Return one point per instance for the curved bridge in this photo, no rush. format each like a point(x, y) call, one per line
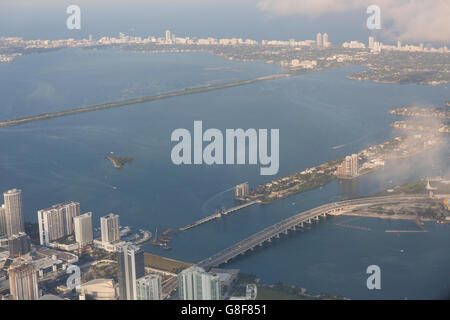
point(298, 221)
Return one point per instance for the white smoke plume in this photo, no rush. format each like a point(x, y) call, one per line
point(409, 20)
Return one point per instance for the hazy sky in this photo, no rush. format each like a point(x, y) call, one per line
point(421, 20)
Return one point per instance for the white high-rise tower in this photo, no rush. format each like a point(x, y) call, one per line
point(319, 42)
point(110, 228)
point(13, 212)
point(83, 229)
point(168, 36)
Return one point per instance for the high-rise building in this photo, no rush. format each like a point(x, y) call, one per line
point(13, 212)
point(319, 42)
point(399, 44)
point(130, 267)
point(196, 284)
point(110, 228)
point(354, 165)
point(371, 42)
point(349, 167)
point(149, 287)
point(57, 221)
point(2, 220)
point(168, 37)
point(83, 229)
point(19, 244)
point(241, 190)
point(23, 282)
point(326, 44)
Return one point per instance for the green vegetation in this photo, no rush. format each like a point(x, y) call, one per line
point(166, 264)
point(281, 291)
point(415, 187)
point(277, 291)
point(101, 271)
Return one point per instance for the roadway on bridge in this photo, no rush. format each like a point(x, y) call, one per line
point(291, 223)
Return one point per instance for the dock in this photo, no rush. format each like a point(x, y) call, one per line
point(218, 214)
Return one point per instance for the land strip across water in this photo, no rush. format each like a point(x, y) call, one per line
point(44, 116)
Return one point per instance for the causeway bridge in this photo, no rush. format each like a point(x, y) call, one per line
point(115, 104)
point(297, 222)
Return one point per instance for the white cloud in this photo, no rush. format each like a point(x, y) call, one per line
point(414, 20)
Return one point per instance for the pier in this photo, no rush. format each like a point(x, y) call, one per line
point(218, 214)
point(345, 224)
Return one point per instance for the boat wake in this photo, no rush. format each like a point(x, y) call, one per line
point(207, 202)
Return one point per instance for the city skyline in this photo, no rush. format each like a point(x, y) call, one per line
point(224, 150)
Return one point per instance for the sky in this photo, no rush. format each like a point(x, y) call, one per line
point(409, 20)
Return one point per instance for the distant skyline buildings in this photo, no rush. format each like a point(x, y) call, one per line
point(321, 41)
point(254, 19)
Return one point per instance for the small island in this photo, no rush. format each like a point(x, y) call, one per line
point(118, 162)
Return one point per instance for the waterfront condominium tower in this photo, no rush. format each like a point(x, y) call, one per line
point(196, 284)
point(241, 190)
point(349, 167)
point(83, 229)
point(23, 283)
point(110, 228)
point(149, 287)
point(130, 267)
point(57, 221)
point(13, 212)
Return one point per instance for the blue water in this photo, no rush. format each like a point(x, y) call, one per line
point(63, 159)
